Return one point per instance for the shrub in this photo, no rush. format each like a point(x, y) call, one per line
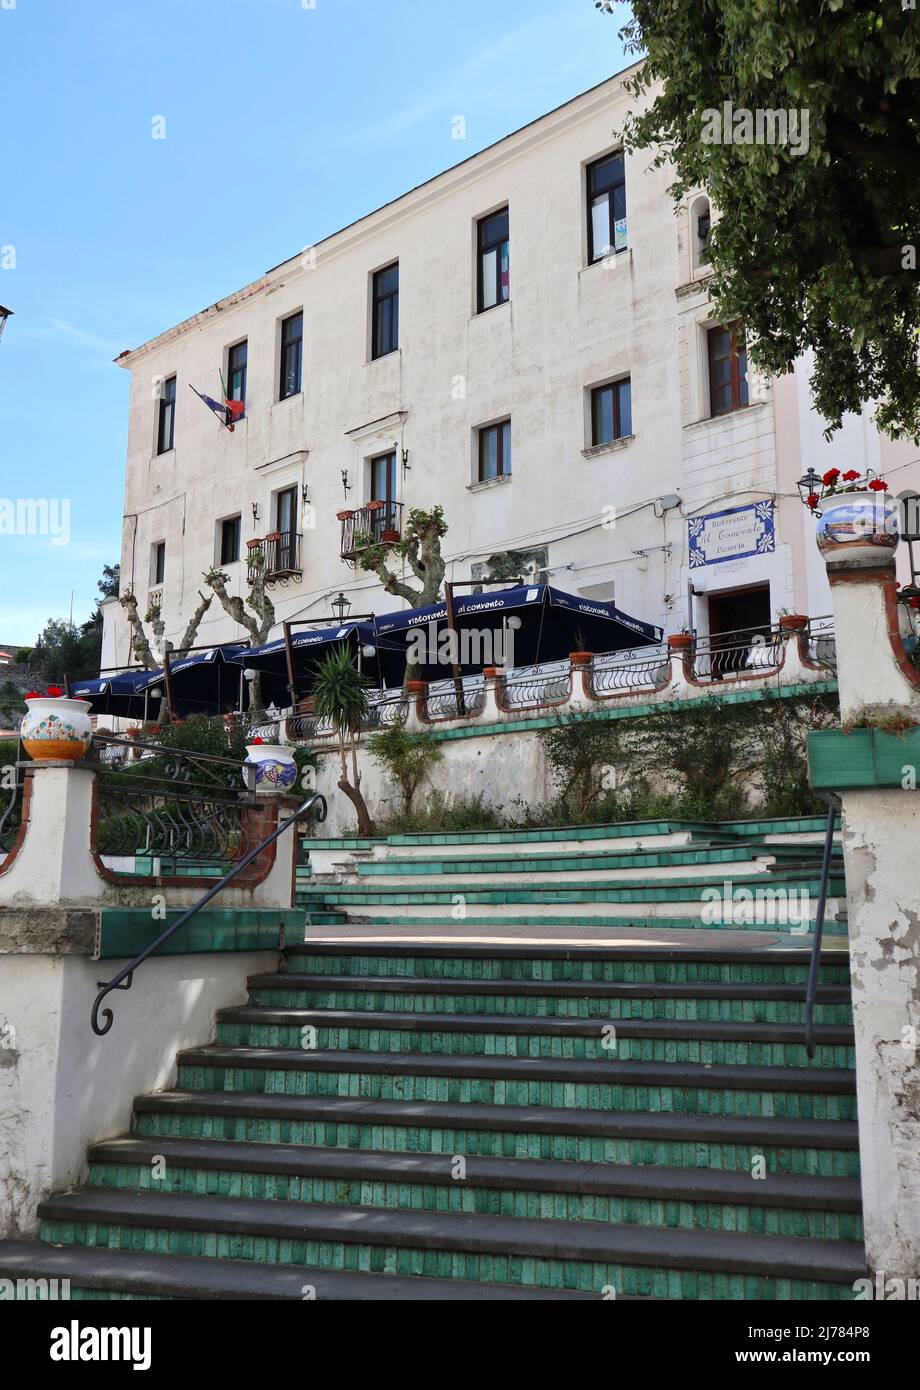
point(407, 757)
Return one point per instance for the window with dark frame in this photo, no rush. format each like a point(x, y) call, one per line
point(611, 412)
point(230, 529)
point(703, 228)
point(385, 326)
point(728, 388)
point(606, 190)
point(166, 417)
point(159, 563)
point(495, 451)
point(494, 277)
point(286, 524)
point(291, 356)
point(237, 359)
point(383, 489)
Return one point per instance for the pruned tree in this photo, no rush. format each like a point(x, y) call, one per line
point(420, 547)
point(816, 245)
point(255, 613)
point(150, 651)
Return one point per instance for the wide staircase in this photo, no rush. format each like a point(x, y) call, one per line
point(418, 1105)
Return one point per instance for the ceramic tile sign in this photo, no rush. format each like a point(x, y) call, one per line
point(734, 534)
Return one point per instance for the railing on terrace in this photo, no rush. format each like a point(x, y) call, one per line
point(379, 523)
point(529, 686)
point(170, 812)
point(620, 673)
point(277, 555)
point(745, 652)
point(442, 701)
point(821, 642)
point(384, 712)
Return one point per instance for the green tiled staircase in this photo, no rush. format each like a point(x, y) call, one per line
point(463, 1123)
point(399, 1120)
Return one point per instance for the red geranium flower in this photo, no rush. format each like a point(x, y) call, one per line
point(831, 476)
point(851, 475)
point(257, 740)
point(55, 692)
point(878, 486)
point(812, 500)
point(32, 695)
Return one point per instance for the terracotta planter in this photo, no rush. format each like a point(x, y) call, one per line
point(276, 770)
point(492, 672)
point(793, 622)
point(273, 536)
point(389, 537)
point(56, 729)
point(416, 687)
point(376, 505)
point(680, 642)
point(344, 516)
point(581, 658)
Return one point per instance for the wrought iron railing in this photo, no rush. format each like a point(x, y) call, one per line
point(277, 555)
point(745, 652)
point(379, 523)
point(821, 642)
point(314, 806)
point(645, 668)
point(444, 702)
point(176, 811)
point(814, 966)
point(525, 686)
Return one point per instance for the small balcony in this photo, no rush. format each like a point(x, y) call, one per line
point(278, 555)
point(379, 523)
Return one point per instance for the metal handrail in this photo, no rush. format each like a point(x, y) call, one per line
point(127, 974)
point(811, 990)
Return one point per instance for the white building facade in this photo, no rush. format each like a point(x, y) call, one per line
point(525, 340)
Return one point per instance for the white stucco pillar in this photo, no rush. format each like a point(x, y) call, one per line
point(54, 862)
point(873, 764)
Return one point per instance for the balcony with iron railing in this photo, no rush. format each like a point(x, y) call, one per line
point(277, 555)
point(377, 523)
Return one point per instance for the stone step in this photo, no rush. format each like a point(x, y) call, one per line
point(664, 1040)
point(699, 1199)
point(765, 1003)
point(95, 1272)
point(819, 1092)
point(589, 1256)
point(508, 961)
point(729, 1143)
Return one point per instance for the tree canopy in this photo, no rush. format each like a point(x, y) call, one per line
point(817, 242)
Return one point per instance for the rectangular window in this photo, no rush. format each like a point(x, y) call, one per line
point(728, 388)
point(494, 277)
point(611, 412)
point(385, 327)
point(383, 489)
point(158, 563)
point(291, 356)
point(236, 377)
point(166, 419)
point(286, 524)
point(606, 188)
point(230, 540)
point(495, 451)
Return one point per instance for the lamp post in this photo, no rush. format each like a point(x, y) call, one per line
point(810, 485)
point(4, 315)
point(341, 606)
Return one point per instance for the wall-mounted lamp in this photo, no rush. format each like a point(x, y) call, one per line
point(255, 511)
point(305, 493)
point(340, 606)
point(404, 458)
point(345, 483)
point(4, 315)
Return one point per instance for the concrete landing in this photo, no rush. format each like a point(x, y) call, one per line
point(617, 938)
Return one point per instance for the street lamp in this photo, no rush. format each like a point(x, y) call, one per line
point(4, 315)
point(340, 606)
point(811, 485)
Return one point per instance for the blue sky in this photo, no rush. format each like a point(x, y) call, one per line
point(285, 120)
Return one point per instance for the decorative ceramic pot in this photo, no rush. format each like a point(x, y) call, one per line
point(680, 641)
point(581, 658)
point(855, 522)
point(793, 622)
point(56, 729)
point(276, 770)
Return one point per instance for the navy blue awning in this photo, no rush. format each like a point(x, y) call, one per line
point(307, 649)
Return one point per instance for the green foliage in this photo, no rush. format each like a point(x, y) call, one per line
point(461, 813)
point(216, 738)
point(407, 757)
point(340, 691)
point(64, 649)
point(810, 250)
point(9, 751)
point(23, 655)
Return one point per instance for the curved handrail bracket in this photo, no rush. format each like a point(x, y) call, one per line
point(315, 805)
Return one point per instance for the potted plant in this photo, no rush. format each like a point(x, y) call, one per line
point(580, 656)
point(792, 622)
point(346, 515)
point(56, 728)
point(854, 512)
point(275, 768)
